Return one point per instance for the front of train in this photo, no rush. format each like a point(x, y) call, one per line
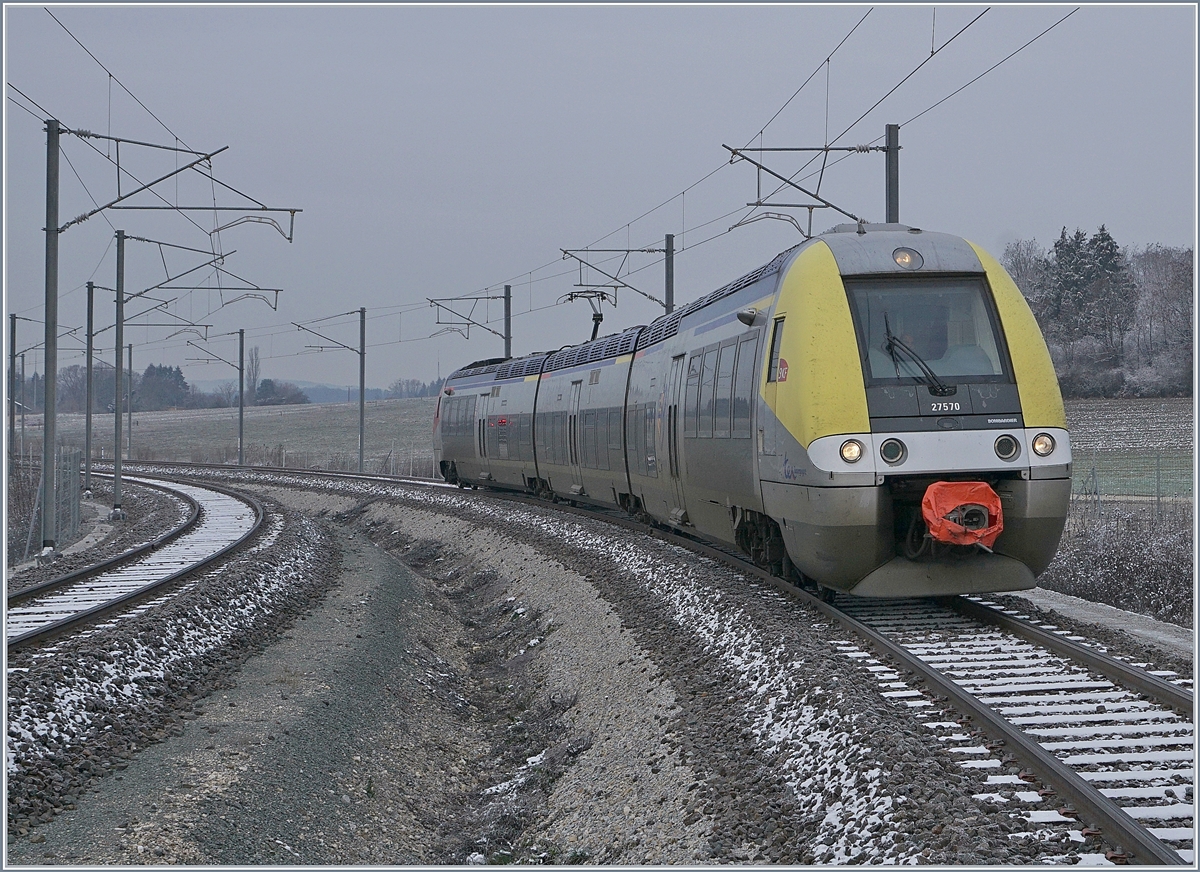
point(931, 449)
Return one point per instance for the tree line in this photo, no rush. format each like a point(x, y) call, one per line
point(154, 389)
point(1118, 321)
point(411, 387)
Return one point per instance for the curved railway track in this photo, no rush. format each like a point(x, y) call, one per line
point(1112, 743)
point(219, 522)
point(187, 520)
point(1113, 756)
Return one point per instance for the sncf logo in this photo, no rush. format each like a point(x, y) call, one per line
point(783, 369)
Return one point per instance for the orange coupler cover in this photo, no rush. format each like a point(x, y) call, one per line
point(946, 503)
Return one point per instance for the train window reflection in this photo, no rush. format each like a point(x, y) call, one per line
point(743, 386)
point(724, 389)
point(691, 409)
point(707, 383)
point(949, 325)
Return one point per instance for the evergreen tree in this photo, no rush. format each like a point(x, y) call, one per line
point(1111, 295)
point(162, 387)
point(1071, 274)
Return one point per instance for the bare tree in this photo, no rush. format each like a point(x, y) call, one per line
point(227, 391)
point(1029, 266)
point(252, 373)
point(72, 389)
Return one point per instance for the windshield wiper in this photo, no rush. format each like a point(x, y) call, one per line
point(894, 344)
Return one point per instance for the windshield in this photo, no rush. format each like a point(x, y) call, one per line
point(947, 325)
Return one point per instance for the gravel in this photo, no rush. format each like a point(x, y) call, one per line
point(465, 681)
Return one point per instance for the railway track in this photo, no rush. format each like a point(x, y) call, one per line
point(1111, 755)
point(219, 522)
point(1112, 743)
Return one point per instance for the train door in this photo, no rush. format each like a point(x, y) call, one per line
point(776, 372)
point(483, 436)
point(573, 439)
point(678, 507)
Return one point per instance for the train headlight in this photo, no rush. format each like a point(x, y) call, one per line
point(893, 451)
point(906, 258)
point(1043, 445)
point(852, 451)
point(1007, 447)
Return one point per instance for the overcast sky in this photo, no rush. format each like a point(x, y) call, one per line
point(445, 151)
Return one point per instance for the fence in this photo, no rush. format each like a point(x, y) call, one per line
point(407, 460)
point(1162, 474)
point(24, 531)
point(1153, 487)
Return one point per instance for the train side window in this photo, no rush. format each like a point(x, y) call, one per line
point(632, 429)
point(560, 431)
point(601, 416)
point(743, 386)
point(464, 416)
point(724, 393)
point(588, 440)
point(776, 344)
point(691, 407)
point(523, 446)
point(614, 428)
point(707, 383)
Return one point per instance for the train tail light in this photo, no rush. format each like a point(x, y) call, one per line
point(963, 513)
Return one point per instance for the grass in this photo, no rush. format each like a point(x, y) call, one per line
point(398, 433)
point(1135, 556)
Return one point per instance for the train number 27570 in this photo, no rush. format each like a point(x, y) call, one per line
point(946, 407)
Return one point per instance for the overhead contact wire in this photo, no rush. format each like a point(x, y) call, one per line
point(115, 79)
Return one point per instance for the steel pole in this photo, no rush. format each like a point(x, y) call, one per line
point(507, 321)
point(129, 400)
point(22, 403)
point(49, 468)
point(362, 383)
point(670, 270)
point(893, 173)
point(87, 412)
point(12, 386)
point(241, 392)
point(118, 377)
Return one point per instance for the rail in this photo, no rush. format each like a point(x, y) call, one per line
point(124, 557)
point(53, 627)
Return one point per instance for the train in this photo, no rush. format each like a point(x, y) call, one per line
point(874, 412)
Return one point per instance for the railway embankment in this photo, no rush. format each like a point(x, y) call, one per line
point(473, 682)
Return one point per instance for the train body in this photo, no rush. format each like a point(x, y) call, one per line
point(810, 413)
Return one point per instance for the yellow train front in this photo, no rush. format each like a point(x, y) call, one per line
point(873, 411)
point(912, 437)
